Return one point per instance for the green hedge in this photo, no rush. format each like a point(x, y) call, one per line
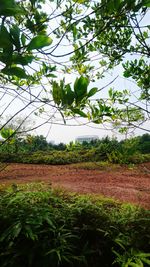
point(54, 157)
point(68, 157)
point(45, 228)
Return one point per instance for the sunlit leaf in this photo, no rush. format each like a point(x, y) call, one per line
point(39, 41)
point(56, 92)
point(92, 92)
point(6, 132)
point(146, 3)
point(80, 87)
point(80, 1)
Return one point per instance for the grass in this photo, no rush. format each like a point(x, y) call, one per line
point(99, 165)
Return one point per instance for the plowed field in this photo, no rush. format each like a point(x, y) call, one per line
point(122, 183)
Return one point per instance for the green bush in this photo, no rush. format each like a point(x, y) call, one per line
point(45, 228)
point(139, 158)
point(102, 153)
point(133, 150)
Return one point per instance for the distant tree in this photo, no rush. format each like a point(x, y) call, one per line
point(60, 146)
point(144, 143)
point(36, 143)
point(13, 131)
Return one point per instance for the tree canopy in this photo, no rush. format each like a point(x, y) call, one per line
point(45, 43)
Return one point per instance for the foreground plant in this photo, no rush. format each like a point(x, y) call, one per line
point(41, 227)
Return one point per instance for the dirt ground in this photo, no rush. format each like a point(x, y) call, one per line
point(122, 183)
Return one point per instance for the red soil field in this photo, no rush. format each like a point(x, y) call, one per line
point(119, 182)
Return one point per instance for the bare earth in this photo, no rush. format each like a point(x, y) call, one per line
point(122, 183)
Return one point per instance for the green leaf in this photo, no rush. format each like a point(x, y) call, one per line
point(51, 75)
point(23, 39)
point(10, 8)
point(15, 34)
point(143, 255)
point(6, 44)
point(15, 71)
point(110, 92)
point(127, 73)
point(70, 95)
point(29, 233)
point(93, 91)
point(56, 92)
point(80, 88)
point(6, 132)
point(80, 1)
point(80, 112)
point(145, 34)
point(5, 41)
point(39, 41)
point(74, 31)
point(146, 3)
point(33, 2)
point(147, 261)
point(22, 60)
point(16, 229)
point(117, 4)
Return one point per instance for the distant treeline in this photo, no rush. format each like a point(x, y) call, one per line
point(36, 149)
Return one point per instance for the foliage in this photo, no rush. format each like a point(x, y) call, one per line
point(144, 143)
point(109, 31)
point(35, 149)
point(67, 230)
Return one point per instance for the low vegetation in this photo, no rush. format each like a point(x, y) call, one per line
point(44, 227)
point(35, 149)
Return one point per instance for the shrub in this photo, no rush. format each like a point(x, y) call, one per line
point(139, 158)
point(45, 228)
